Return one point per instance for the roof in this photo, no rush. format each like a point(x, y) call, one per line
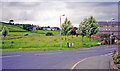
point(109, 23)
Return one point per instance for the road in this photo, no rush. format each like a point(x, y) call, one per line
point(59, 59)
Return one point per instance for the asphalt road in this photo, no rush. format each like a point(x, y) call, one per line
point(59, 59)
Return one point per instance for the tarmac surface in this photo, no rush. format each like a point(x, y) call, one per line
point(82, 58)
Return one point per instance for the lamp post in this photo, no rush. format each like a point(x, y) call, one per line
point(61, 31)
point(111, 32)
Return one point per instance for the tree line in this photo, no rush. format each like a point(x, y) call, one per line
point(87, 27)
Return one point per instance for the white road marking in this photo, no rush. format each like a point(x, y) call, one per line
point(9, 56)
point(107, 49)
point(108, 54)
point(110, 48)
point(78, 63)
point(87, 58)
point(47, 53)
point(81, 51)
point(113, 48)
point(85, 51)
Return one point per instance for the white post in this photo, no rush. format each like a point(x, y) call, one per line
point(61, 32)
point(111, 32)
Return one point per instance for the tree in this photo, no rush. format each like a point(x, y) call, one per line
point(68, 33)
point(11, 22)
point(48, 26)
point(28, 27)
point(93, 26)
point(73, 32)
point(5, 31)
point(66, 26)
point(83, 28)
point(75, 28)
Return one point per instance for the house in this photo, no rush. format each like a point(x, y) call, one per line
point(108, 27)
point(46, 28)
point(36, 27)
point(50, 28)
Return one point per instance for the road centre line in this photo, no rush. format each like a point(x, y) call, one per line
point(47, 53)
point(110, 48)
point(113, 48)
point(107, 49)
point(85, 51)
point(9, 56)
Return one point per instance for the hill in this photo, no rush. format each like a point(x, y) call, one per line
point(12, 28)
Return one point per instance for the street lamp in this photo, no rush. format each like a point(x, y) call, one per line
point(61, 31)
point(111, 31)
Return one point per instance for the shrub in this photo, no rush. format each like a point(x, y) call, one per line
point(5, 31)
point(49, 34)
point(102, 36)
point(55, 39)
point(26, 35)
point(116, 57)
point(96, 36)
point(28, 27)
point(12, 42)
point(3, 42)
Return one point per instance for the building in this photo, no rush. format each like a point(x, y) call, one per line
point(50, 28)
point(107, 27)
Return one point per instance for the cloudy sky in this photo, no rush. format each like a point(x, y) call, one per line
point(48, 13)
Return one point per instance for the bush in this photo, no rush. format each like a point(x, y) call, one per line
point(27, 27)
point(102, 36)
point(26, 35)
point(5, 31)
point(12, 42)
point(49, 34)
point(55, 39)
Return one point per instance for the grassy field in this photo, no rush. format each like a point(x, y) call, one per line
point(12, 27)
point(38, 41)
point(45, 31)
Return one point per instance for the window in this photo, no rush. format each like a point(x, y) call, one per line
point(111, 25)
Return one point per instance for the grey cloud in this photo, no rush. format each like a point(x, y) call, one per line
point(47, 13)
point(59, 0)
point(98, 10)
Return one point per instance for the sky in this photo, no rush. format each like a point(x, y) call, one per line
point(47, 13)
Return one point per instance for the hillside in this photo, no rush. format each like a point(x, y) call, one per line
point(12, 28)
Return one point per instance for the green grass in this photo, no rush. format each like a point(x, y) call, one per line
point(45, 31)
point(36, 49)
point(12, 28)
point(37, 41)
point(20, 34)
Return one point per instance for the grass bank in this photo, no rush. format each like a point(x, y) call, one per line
point(38, 41)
